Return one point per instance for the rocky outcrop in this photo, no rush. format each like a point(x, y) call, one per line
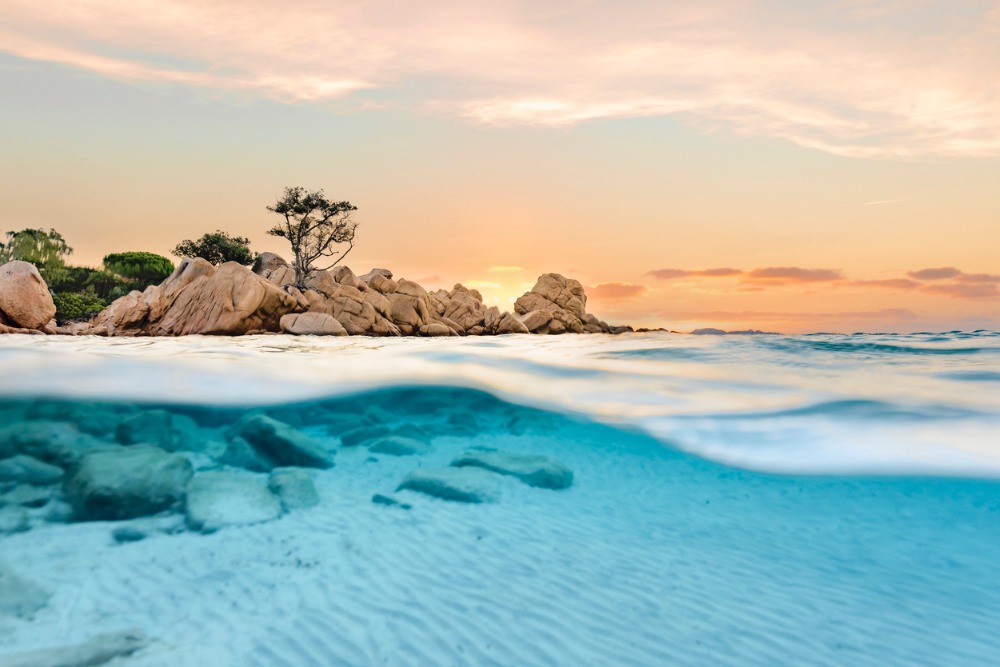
point(279, 444)
point(199, 298)
point(25, 302)
point(556, 305)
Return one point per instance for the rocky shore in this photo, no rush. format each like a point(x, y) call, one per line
point(233, 300)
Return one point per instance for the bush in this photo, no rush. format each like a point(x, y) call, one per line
point(77, 305)
point(139, 268)
point(218, 248)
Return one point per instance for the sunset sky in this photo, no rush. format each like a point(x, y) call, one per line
point(808, 166)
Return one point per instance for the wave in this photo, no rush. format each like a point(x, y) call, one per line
point(789, 404)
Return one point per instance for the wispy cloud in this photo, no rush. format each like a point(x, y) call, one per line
point(965, 290)
point(857, 79)
point(671, 274)
point(888, 283)
point(615, 291)
point(795, 274)
point(942, 273)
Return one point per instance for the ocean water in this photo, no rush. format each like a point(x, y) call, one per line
point(738, 500)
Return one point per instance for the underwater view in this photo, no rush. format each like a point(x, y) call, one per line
point(649, 499)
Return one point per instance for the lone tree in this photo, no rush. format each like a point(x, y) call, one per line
point(314, 226)
point(218, 248)
point(46, 250)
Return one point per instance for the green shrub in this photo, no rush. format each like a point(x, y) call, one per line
point(139, 269)
point(218, 248)
point(77, 305)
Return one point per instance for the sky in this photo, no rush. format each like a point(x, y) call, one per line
point(809, 166)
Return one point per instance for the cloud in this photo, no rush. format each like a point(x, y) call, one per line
point(795, 274)
point(890, 283)
point(504, 269)
point(965, 290)
point(848, 79)
point(977, 278)
point(941, 273)
point(671, 274)
point(615, 291)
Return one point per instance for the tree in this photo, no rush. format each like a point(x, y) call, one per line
point(139, 268)
point(218, 248)
point(46, 250)
point(314, 226)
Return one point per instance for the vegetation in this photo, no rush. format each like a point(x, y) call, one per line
point(218, 248)
point(77, 305)
point(139, 268)
point(46, 250)
point(315, 227)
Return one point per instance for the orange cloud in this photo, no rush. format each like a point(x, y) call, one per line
point(890, 283)
point(795, 274)
point(778, 316)
point(671, 274)
point(941, 273)
point(616, 291)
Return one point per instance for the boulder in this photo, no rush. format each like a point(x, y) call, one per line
point(376, 273)
point(152, 427)
point(280, 443)
point(267, 262)
point(29, 470)
point(538, 471)
point(509, 324)
point(536, 321)
point(312, 324)
point(240, 454)
point(117, 482)
point(294, 487)
point(435, 329)
point(382, 284)
point(222, 498)
point(25, 301)
point(20, 598)
point(363, 434)
point(101, 650)
point(322, 282)
point(465, 485)
point(344, 276)
point(556, 305)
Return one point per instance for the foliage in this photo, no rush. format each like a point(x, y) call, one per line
point(77, 305)
point(139, 268)
point(46, 250)
point(218, 248)
point(314, 226)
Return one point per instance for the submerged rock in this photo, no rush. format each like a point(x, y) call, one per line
point(13, 520)
point(25, 495)
point(395, 445)
point(118, 482)
point(223, 498)
point(56, 443)
point(100, 650)
point(19, 597)
point(465, 485)
point(281, 444)
point(537, 471)
point(294, 487)
point(389, 501)
point(25, 469)
point(360, 436)
point(164, 429)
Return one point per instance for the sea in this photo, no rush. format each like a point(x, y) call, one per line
point(814, 500)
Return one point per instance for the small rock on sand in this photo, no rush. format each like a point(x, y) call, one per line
point(223, 498)
point(538, 471)
point(465, 485)
point(294, 487)
point(98, 651)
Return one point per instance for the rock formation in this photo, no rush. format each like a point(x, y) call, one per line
point(231, 300)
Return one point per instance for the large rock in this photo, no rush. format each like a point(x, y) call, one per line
point(25, 301)
point(19, 597)
point(312, 324)
point(199, 298)
point(223, 498)
point(538, 471)
point(161, 428)
point(465, 485)
point(267, 262)
point(280, 443)
point(556, 305)
point(117, 482)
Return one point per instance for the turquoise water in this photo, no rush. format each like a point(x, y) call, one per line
point(814, 500)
